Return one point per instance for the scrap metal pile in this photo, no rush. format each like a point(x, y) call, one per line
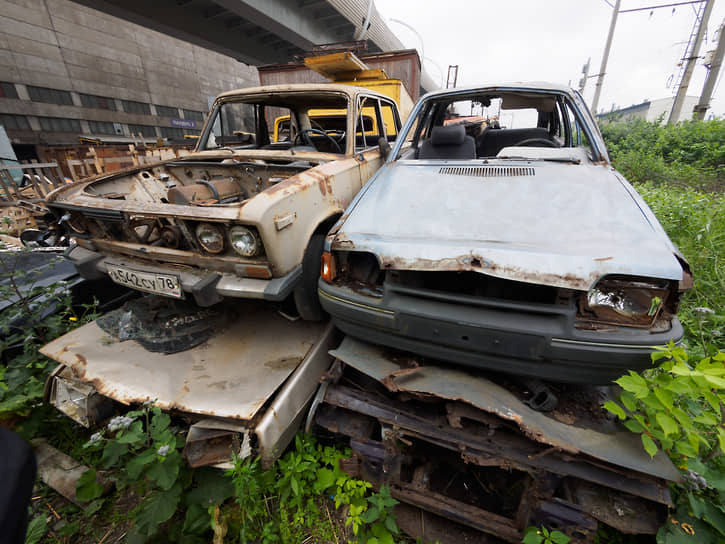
point(470, 450)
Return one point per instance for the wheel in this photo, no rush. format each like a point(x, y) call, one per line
point(536, 142)
point(302, 135)
point(306, 299)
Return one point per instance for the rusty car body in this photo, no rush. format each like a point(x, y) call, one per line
point(243, 216)
point(238, 391)
point(460, 446)
point(510, 249)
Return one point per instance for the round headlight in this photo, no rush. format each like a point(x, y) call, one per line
point(244, 241)
point(210, 237)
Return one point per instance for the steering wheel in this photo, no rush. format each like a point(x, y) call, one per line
point(536, 142)
point(302, 136)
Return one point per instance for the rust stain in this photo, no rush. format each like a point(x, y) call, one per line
point(477, 263)
point(79, 366)
point(602, 259)
point(283, 363)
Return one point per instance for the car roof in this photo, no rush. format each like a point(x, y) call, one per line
point(515, 86)
point(350, 90)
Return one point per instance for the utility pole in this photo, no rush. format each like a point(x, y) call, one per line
point(691, 58)
point(712, 74)
point(605, 58)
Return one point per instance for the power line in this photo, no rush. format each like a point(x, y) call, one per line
point(662, 6)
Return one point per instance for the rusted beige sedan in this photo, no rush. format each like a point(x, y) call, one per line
point(243, 216)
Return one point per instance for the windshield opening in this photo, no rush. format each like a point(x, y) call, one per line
point(300, 121)
point(511, 124)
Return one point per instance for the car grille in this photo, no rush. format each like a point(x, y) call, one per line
point(477, 286)
point(488, 171)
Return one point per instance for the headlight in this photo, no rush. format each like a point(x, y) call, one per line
point(627, 302)
point(210, 237)
point(244, 241)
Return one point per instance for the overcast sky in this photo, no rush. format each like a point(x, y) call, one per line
point(496, 41)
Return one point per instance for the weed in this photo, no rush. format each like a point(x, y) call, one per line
point(542, 535)
point(285, 503)
point(145, 451)
point(677, 407)
point(34, 314)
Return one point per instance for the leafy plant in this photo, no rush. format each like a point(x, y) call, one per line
point(677, 407)
point(37, 528)
point(284, 503)
point(144, 450)
point(35, 314)
point(542, 535)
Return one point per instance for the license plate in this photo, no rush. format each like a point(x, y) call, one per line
point(151, 282)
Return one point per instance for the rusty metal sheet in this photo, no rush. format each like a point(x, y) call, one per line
point(620, 448)
point(231, 375)
point(277, 427)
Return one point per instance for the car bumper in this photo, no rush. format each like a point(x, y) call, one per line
point(534, 342)
point(207, 288)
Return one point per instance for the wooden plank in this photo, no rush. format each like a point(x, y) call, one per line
point(59, 176)
point(40, 184)
point(4, 185)
point(26, 166)
point(61, 472)
point(11, 189)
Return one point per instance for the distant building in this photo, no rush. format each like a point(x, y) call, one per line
point(68, 71)
point(651, 110)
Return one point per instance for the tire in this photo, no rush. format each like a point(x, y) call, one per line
point(306, 299)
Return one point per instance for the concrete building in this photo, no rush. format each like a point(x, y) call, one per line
point(650, 110)
point(112, 69)
point(68, 70)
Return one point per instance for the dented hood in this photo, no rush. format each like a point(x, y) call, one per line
point(564, 224)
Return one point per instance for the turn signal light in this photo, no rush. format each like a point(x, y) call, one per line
point(328, 270)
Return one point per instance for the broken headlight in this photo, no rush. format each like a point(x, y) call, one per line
point(620, 301)
point(78, 400)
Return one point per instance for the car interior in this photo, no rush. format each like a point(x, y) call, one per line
point(481, 126)
point(300, 122)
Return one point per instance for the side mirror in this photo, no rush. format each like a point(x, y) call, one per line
point(384, 147)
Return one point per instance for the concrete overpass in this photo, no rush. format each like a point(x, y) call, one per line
point(260, 32)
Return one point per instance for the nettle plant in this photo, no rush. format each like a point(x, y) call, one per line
point(144, 450)
point(677, 407)
point(287, 503)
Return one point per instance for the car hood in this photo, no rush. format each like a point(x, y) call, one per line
point(565, 225)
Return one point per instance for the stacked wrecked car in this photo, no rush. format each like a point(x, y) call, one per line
point(485, 284)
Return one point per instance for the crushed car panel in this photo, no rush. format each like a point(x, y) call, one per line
point(621, 447)
point(231, 375)
point(461, 446)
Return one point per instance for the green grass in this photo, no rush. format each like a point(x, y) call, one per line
point(695, 221)
point(680, 172)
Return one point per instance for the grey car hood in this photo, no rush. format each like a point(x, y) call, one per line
point(566, 225)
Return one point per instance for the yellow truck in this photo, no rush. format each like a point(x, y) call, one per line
point(347, 69)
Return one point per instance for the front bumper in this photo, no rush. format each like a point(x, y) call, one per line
point(206, 288)
point(529, 340)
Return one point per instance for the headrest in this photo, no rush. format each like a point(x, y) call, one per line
point(450, 135)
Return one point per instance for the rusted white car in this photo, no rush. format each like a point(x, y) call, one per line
point(517, 250)
point(243, 216)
